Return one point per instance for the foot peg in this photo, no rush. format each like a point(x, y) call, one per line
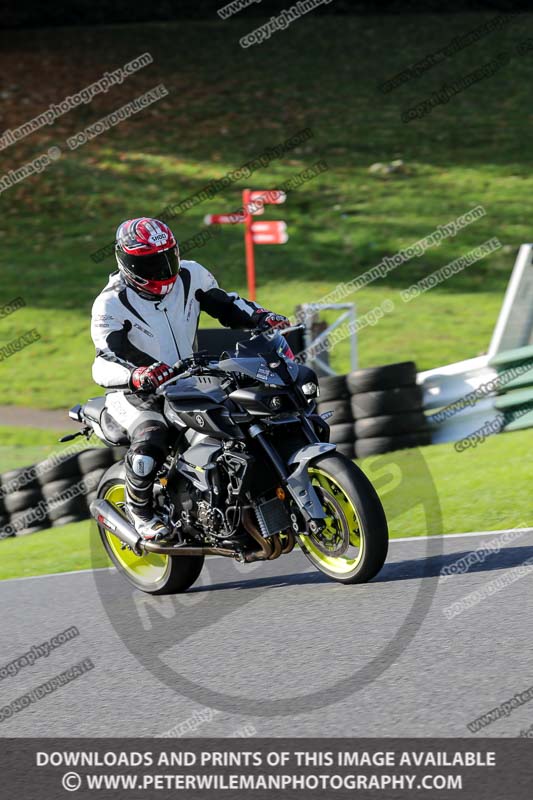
point(150, 529)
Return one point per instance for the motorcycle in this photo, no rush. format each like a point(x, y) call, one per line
point(249, 475)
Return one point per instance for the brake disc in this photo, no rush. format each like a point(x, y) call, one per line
point(334, 539)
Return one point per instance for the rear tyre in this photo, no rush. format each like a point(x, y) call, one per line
point(353, 546)
point(151, 573)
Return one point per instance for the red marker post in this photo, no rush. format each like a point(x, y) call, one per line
point(223, 219)
point(268, 232)
point(249, 243)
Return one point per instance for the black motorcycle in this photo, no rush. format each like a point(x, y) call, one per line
point(250, 473)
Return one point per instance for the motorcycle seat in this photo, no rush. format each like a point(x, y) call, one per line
point(112, 431)
point(95, 411)
point(92, 409)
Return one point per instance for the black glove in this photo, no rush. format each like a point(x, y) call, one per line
point(267, 319)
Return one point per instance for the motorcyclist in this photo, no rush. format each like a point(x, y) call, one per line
point(144, 321)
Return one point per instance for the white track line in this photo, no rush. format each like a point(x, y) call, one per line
point(458, 535)
point(392, 541)
point(56, 574)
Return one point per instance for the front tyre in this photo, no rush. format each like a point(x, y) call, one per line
point(353, 546)
point(151, 573)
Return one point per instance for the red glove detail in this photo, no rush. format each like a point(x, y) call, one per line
point(150, 378)
point(274, 320)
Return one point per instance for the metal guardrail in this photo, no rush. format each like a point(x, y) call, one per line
point(312, 341)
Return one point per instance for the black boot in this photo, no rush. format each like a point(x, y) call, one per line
point(141, 471)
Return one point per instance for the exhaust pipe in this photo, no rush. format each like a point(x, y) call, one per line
point(104, 513)
point(290, 544)
point(266, 548)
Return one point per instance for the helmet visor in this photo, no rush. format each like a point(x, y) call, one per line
point(157, 267)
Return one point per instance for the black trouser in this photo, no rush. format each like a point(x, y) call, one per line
point(148, 433)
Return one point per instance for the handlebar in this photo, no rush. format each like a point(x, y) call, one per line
point(194, 363)
point(298, 327)
point(268, 329)
point(190, 366)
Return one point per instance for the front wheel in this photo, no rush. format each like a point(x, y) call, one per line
point(352, 547)
point(151, 573)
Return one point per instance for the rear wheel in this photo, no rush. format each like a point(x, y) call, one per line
point(353, 546)
point(151, 573)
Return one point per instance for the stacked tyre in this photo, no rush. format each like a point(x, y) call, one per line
point(335, 400)
point(21, 503)
point(386, 404)
point(68, 496)
point(5, 530)
point(53, 492)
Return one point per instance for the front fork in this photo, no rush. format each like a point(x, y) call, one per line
point(298, 482)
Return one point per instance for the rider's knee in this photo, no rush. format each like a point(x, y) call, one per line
point(148, 448)
point(142, 465)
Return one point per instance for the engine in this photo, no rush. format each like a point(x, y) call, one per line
point(211, 519)
point(216, 514)
point(226, 514)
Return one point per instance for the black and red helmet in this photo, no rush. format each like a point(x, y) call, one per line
point(147, 256)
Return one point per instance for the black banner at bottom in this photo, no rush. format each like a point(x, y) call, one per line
point(267, 768)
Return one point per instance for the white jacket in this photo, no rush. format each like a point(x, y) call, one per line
point(130, 332)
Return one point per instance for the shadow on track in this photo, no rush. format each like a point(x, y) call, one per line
point(410, 569)
point(431, 567)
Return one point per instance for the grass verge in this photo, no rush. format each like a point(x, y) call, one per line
point(473, 150)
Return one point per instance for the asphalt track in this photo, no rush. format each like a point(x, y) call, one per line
point(271, 639)
point(37, 418)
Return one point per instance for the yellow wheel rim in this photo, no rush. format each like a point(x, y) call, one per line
point(340, 513)
point(150, 568)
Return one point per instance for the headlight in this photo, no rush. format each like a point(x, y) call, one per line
point(310, 389)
